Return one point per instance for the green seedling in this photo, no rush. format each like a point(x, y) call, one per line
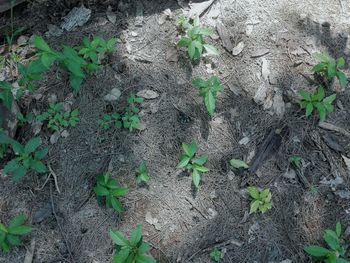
point(183, 23)
point(330, 68)
point(142, 175)
point(28, 159)
point(58, 118)
point(93, 51)
point(336, 251)
point(208, 89)
point(6, 94)
point(317, 101)
point(261, 200)
point(30, 73)
point(296, 160)
point(130, 251)
point(23, 119)
point(10, 235)
point(110, 120)
point(131, 119)
point(110, 190)
point(238, 164)
point(215, 254)
point(194, 164)
point(194, 40)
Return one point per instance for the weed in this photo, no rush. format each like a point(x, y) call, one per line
point(142, 175)
point(329, 68)
point(192, 163)
point(23, 119)
point(194, 40)
point(110, 120)
point(109, 188)
point(6, 94)
point(57, 118)
point(261, 200)
point(317, 101)
point(296, 160)
point(28, 158)
point(131, 119)
point(183, 23)
point(30, 73)
point(215, 254)
point(10, 235)
point(132, 250)
point(238, 164)
point(208, 89)
point(336, 251)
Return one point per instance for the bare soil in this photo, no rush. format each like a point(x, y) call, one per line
point(70, 226)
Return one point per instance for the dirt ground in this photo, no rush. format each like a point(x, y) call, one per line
point(260, 94)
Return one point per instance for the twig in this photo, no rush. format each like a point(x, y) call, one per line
point(54, 177)
point(331, 127)
point(197, 209)
point(30, 253)
point(59, 225)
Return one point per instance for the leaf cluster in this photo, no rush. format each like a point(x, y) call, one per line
point(194, 164)
point(261, 200)
point(10, 235)
point(110, 190)
point(57, 118)
point(208, 90)
point(336, 251)
point(133, 250)
point(215, 254)
point(194, 40)
point(317, 101)
point(142, 175)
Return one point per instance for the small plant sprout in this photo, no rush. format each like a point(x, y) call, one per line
point(317, 101)
point(215, 254)
point(23, 119)
point(208, 89)
point(6, 94)
point(296, 160)
point(110, 120)
point(110, 190)
point(329, 68)
point(59, 119)
point(193, 163)
point(238, 164)
point(183, 23)
point(336, 251)
point(261, 200)
point(10, 235)
point(194, 40)
point(28, 159)
point(142, 174)
point(130, 251)
point(131, 119)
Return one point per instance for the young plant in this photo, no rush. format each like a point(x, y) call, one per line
point(215, 254)
point(93, 51)
point(6, 94)
point(110, 120)
point(23, 119)
point(261, 200)
point(30, 73)
point(317, 101)
point(183, 23)
point(110, 190)
point(130, 251)
point(58, 118)
point(330, 68)
point(295, 160)
point(194, 40)
point(131, 119)
point(28, 159)
point(194, 164)
point(142, 175)
point(10, 235)
point(238, 164)
point(208, 89)
point(336, 251)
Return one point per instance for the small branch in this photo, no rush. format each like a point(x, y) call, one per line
point(331, 127)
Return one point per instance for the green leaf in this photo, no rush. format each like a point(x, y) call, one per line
point(144, 247)
point(190, 149)
point(191, 50)
point(136, 235)
point(343, 80)
point(330, 99)
point(19, 230)
point(75, 82)
point(236, 163)
point(338, 229)
point(40, 43)
point(13, 240)
point(196, 178)
point(19, 173)
point(18, 220)
point(32, 145)
point(317, 251)
point(331, 71)
point(47, 59)
point(309, 109)
point(320, 94)
point(41, 154)
point(254, 206)
point(11, 166)
point(331, 239)
point(38, 166)
point(305, 94)
point(205, 32)
point(211, 50)
point(122, 255)
point(254, 192)
point(101, 191)
point(200, 160)
point(200, 169)
point(318, 68)
point(340, 62)
point(118, 238)
point(321, 111)
point(117, 206)
point(199, 83)
point(119, 192)
point(209, 102)
point(184, 42)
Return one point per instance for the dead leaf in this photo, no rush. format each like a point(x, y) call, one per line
point(147, 94)
point(346, 161)
point(112, 17)
point(171, 55)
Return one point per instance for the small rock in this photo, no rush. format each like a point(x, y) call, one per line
point(147, 94)
point(343, 194)
point(78, 16)
point(64, 134)
point(231, 175)
point(249, 30)
point(44, 212)
point(134, 33)
point(112, 17)
point(52, 98)
point(53, 31)
point(278, 105)
point(287, 261)
point(260, 52)
point(36, 126)
point(152, 221)
point(238, 49)
point(213, 195)
point(261, 93)
point(347, 162)
point(172, 55)
point(154, 107)
point(121, 158)
point(54, 137)
point(244, 141)
point(333, 183)
point(212, 213)
point(142, 126)
point(265, 72)
point(113, 95)
point(290, 174)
